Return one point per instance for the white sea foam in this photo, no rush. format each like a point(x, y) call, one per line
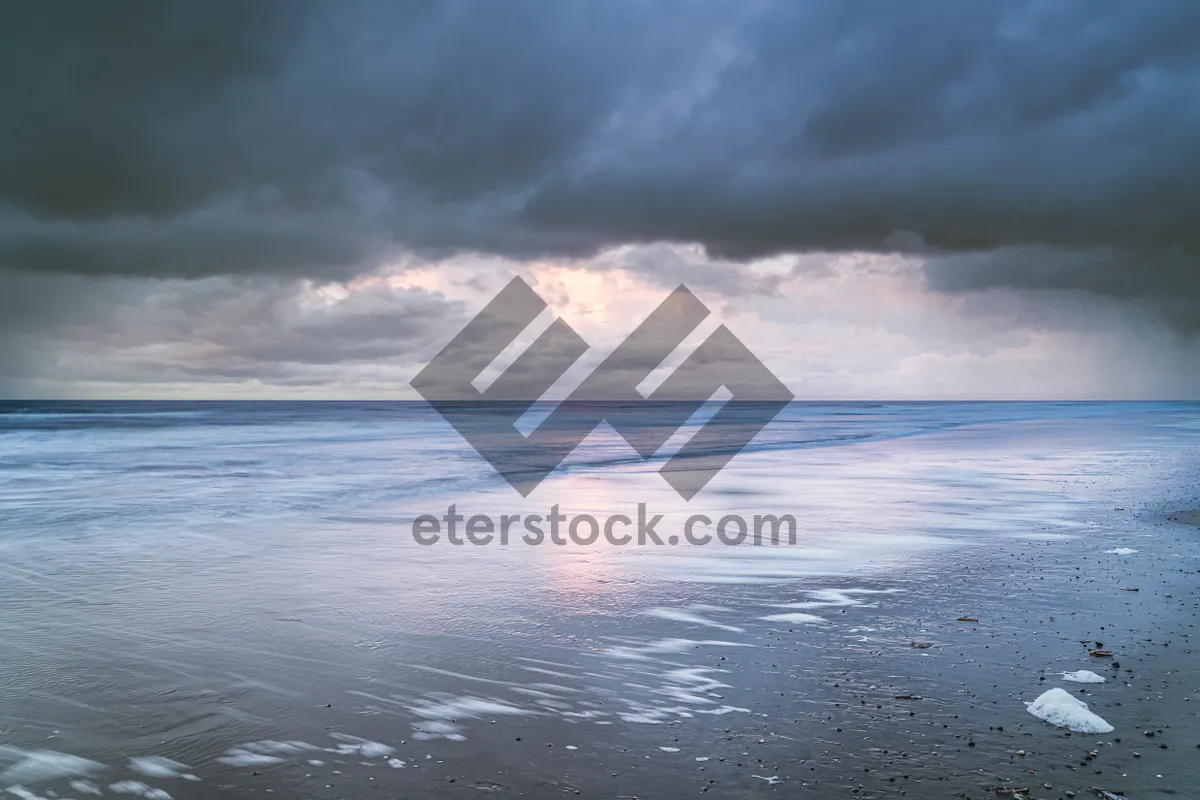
point(435, 729)
point(796, 618)
point(354, 745)
point(1060, 709)
point(589, 714)
point(438, 716)
point(1121, 551)
point(1083, 676)
point(44, 765)
point(23, 793)
point(138, 789)
point(86, 787)
point(1044, 537)
point(525, 690)
point(666, 646)
point(290, 747)
point(239, 757)
point(824, 598)
point(682, 615)
point(157, 767)
point(467, 706)
point(262, 753)
point(658, 715)
point(552, 673)
point(557, 705)
point(687, 685)
point(837, 598)
point(763, 565)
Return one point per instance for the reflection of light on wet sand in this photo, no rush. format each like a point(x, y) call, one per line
point(574, 580)
point(859, 508)
point(577, 573)
point(836, 502)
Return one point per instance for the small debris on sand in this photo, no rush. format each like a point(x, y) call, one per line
point(1083, 676)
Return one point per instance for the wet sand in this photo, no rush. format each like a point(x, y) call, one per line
point(842, 707)
point(604, 683)
point(1186, 517)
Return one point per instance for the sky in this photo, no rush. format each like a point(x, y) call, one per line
point(294, 199)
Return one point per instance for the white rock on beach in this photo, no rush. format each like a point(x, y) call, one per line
point(1060, 709)
point(1083, 676)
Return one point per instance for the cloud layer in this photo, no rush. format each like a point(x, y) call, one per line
point(1042, 149)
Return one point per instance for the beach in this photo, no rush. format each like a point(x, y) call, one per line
point(228, 601)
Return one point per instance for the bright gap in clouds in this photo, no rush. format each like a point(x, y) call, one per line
point(831, 326)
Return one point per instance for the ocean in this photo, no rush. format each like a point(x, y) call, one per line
point(205, 599)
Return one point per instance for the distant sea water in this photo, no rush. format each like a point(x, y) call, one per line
point(196, 594)
point(80, 468)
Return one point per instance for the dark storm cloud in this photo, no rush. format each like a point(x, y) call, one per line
point(218, 329)
point(1167, 280)
point(1053, 144)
